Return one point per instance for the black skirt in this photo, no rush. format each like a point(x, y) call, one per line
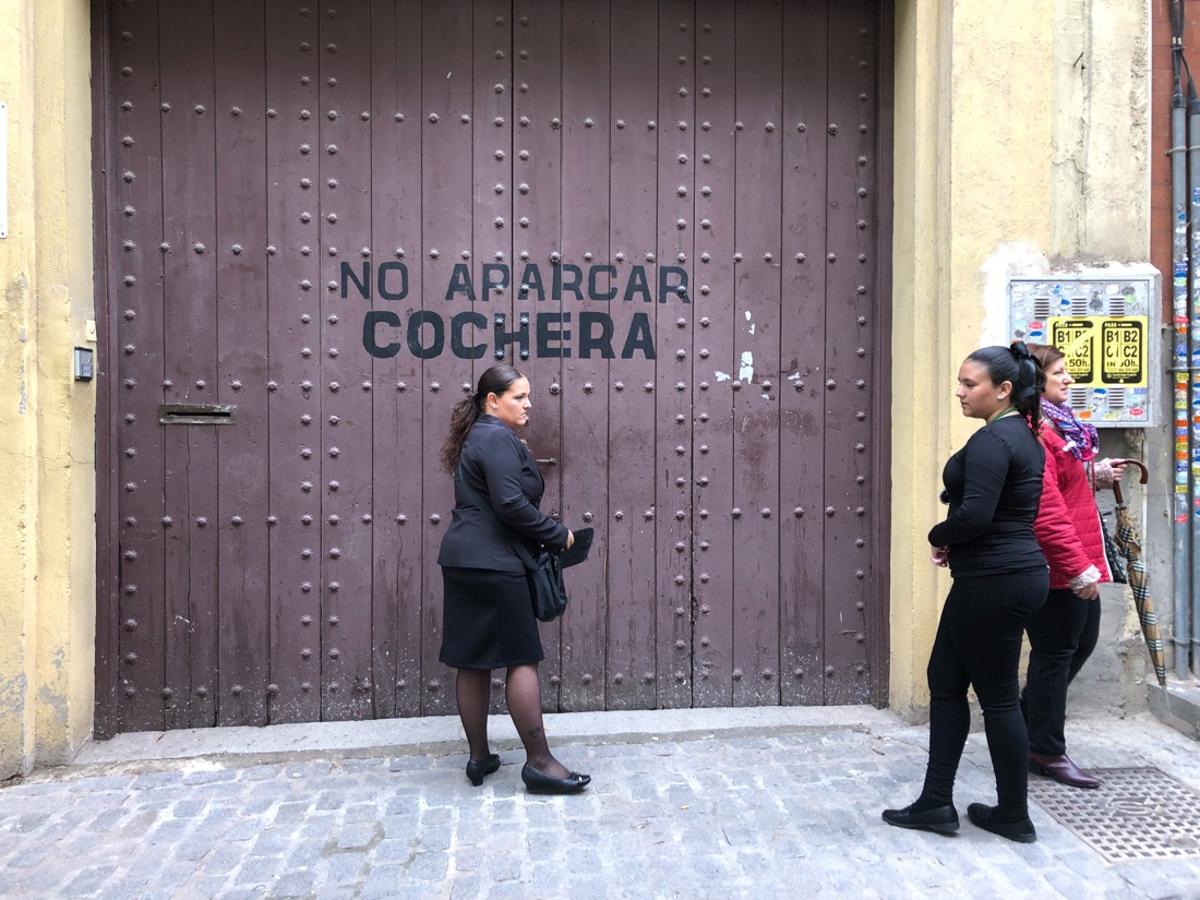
point(487, 620)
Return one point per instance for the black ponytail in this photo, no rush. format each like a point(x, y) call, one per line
point(496, 380)
point(1027, 394)
point(1016, 365)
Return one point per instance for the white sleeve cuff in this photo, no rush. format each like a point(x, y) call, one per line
point(1090, 575)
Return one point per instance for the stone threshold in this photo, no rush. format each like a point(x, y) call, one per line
point(440, 735)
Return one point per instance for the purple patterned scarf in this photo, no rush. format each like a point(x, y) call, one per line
point(1081, 437)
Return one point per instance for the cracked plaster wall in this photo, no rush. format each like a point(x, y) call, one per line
point(47, 466)
point(1022, 141)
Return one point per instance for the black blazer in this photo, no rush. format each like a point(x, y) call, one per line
point(501, 469)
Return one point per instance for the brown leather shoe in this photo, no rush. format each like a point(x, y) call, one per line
point(1062, 770)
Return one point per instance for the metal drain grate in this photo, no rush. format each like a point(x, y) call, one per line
point(1137, 813)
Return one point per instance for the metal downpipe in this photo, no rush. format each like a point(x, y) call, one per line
point(1180, 370)
point(1193, 136)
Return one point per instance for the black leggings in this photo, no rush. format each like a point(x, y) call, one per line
point(978, 644)
point(1062, 635)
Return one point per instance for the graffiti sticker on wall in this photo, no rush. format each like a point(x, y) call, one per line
point(1102, 351)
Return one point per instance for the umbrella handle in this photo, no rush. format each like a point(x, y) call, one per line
point(1145, 477)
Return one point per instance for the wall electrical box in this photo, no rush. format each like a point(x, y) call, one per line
point(1106, 322)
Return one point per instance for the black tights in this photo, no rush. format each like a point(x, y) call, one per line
point(978, 644)
point(523, 693)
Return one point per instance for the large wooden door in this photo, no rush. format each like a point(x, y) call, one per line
point(323, 220)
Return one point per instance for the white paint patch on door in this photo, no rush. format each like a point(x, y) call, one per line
point(746, 371)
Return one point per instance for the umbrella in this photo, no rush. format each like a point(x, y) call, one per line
point(1129, 545)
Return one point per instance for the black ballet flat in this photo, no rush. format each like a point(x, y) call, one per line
point(478, 769)
point(940, 819)
point(539, 783)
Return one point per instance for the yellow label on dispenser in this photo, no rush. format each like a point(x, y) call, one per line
point(1123, 352)
point(1102, 351)
point(1076, 340)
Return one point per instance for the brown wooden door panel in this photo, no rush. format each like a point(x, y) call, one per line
point(446, 195)
point(346, 428)
point(851, 208)
point(335, 216)
point(537, 186)
point(398, 589)
point(585, 427)
point(243, 452)
point(715, 362)
point(136, 301)
point(193, 609)
point(291, 250)
point(755, 385)
point(674, 329)
point(493, 224)
point(802, 363)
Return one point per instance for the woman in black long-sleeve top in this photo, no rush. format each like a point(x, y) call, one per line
point(993, 485)
point(488, 620)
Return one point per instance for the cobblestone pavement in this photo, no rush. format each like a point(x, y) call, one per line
point(773, 814)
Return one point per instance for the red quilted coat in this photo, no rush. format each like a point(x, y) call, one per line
point(1068, 523)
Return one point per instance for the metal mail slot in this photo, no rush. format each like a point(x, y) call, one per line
point(196, 414)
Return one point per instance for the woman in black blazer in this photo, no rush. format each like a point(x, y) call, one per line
point(488, 620)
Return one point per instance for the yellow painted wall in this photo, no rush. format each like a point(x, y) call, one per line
point(1022, 139)
point(47, 469)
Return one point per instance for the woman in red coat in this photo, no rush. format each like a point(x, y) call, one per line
point(1064, 631)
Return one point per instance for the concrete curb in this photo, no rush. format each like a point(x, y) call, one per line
point(1177, 705)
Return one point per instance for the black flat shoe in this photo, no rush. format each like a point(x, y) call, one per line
point(986, 818)
point(539, 783)
point(478, 769)
point(940, 819)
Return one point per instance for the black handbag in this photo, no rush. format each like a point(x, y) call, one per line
point(546, 585)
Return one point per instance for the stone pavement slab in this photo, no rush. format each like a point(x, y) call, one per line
point(727, 810)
